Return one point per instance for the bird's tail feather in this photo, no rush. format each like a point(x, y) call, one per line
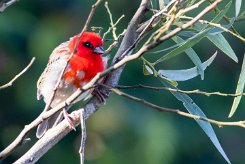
point(44, 126)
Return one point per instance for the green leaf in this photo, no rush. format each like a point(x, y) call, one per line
point(183, 75)
point(238, 6)
point(172, 82)
point(241, 16)
point(220, 42)
point(194, 39)
point(147, 70)
point(192, 55)
point(185, 45)
point(217, 18)
point(239, 89)
point(195, 110)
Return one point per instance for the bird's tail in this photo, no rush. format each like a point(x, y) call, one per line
point(44, 126)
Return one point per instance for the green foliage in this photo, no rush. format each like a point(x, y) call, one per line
point(192, 108)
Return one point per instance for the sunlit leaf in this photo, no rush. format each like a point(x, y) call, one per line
point(147, 70)
point(192, 55)
point(195, 110)
point(239, 89)
point(238, 6)
point(223, 45)
point(183, 75)
point(161, 4)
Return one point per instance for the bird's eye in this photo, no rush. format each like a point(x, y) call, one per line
point(88, 45)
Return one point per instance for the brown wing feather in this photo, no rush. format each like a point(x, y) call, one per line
point(58, 55)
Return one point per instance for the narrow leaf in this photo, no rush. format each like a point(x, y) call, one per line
point(220, 42)
point(239, 89)
point(241, 17)
point(238, 6)
point(183, 75)
point(216, 19)
point(147, 70)
point(195, 110)
point(192, 55)
point(185, 45)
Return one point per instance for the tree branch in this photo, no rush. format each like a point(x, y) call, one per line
point(196, 91)
point(4, 6)
point(176, 111)
point(18, 75)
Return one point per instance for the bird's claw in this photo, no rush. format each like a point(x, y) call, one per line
point(101, 96)
point(69, 120)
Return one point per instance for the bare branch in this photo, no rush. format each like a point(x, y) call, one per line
point(185, 114)
point(218, 26)
point(4, 6)
point(53, 135)
point(113, 25)
point(83, 135)
point(196, 91)
point(18, 75)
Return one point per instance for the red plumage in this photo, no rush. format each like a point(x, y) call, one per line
point(83, 66)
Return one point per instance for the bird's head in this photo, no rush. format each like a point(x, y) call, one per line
point(89, 44)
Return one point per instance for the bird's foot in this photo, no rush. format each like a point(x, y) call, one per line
point(68, 118)
point(101, 96)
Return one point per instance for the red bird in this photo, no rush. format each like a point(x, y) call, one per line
point(83, 66)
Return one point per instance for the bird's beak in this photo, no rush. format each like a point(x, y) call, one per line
point(99, 50)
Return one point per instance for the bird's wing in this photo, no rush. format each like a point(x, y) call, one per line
point(49, 78)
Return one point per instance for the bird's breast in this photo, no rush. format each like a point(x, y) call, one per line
point(81, 70)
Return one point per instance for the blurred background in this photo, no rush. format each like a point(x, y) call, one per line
point(122, 131)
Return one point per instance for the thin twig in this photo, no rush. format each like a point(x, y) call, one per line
point(145, 29)
point(196, 5)
point(176, 111)
point(115, 42)
point(218, 26)
point(4, 6)
point(196, 91)
point(83, 135)
point(112, 24)
point(18, 75)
